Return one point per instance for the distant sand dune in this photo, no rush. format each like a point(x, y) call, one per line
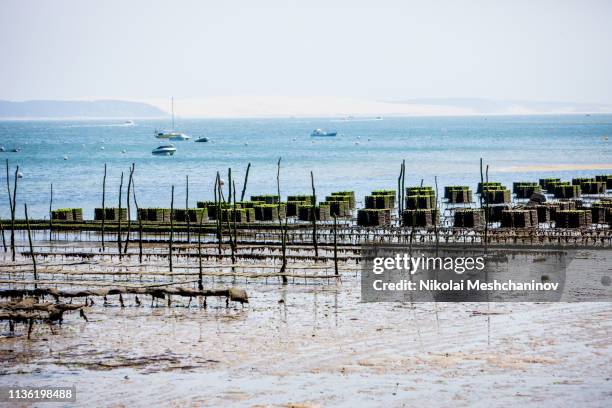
point(555, 167)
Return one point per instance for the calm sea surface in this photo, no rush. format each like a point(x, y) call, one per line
point(366, 155)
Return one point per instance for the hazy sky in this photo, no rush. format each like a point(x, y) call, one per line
point(534, 50)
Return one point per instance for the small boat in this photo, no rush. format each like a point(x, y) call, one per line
point(171, 134)
point(2, 149)
point(129, 123)
point(164, 150)
point(321, 133)
point(202, 140)
point(379, 118)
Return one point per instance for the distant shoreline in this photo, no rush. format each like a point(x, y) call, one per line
point(259, 117)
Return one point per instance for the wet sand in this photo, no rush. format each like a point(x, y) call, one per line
point(320, 346)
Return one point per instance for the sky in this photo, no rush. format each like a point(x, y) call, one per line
point(357, 50)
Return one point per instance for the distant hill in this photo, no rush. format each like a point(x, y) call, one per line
point(78, 109)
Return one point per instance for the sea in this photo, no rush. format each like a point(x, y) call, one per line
point(366, 155)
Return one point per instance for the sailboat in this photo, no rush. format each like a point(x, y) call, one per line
point(171, 134)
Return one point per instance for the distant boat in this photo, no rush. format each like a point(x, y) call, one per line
point(379, 118)
point(321, 133)
point(171, 134)
point(202, 140)
point(2, 149)
point(164, 150)
point(129, 123)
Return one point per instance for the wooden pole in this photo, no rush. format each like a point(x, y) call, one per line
point(336, 245)
point(3, 238)
point(25, 208)
point(187, 208)
point(119, 224)
point(50, 212)
point(12, 204)
point(10, 197)
point(246, 179)
point(13, 213)
point(283, 230)
point(218, 213)
point(138, 217)
point(171, 228)
point(314, 217)
point(482, 190)
point(229, 227)
point(129, 210)
point(488, 216)
point(235, 229)
point(103, 205)
point(403, 184)
point(399, 191)
point(200, 286)
point(437, 216)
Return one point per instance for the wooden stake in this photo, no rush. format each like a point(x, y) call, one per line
point(403, 185)
point(336, 245)
point(399, 191)
point(200, 286)
point(283, 230)
point(129, 211)
point(488, 216)
point(50, 212)
point(11, 205)
point(171, 227)
point(187, 208)
point(482, 189)
point(437, 214)
point(103, 205)
point(235, 230)
point(246, 179)
point(229, 227)
point(13, 213)
point(119, 225)
point(138, 217)
point(8, 188)
point(218, 212)
point(314, 217)
point(3, 238)
point(25, 208)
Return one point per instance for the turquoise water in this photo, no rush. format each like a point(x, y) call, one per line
point(449, 148)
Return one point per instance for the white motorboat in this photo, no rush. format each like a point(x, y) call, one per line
point(164, 150)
